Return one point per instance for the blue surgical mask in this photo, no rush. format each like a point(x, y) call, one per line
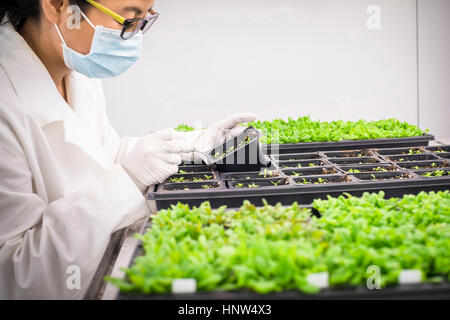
point(110, 55)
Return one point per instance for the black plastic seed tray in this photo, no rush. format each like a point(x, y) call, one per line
point(319, 175)
point(348, 144)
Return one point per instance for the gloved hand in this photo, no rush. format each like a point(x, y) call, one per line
point(199, 142)
point(154, 158)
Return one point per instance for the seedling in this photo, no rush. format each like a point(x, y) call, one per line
point(267, 173)
point(296, 174)
point(412, 151)
point(437, 173)
point(354, 171)
point(177, 180)
point(207, 186)
point(320, 180)
point(380, 169)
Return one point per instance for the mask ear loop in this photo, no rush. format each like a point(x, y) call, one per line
point(60, 35)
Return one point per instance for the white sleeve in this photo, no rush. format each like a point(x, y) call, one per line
point(40, 242)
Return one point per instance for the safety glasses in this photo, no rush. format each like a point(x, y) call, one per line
point(130, 26)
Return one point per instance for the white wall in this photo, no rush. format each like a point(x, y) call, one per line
point(434, 66)
point(207, 59)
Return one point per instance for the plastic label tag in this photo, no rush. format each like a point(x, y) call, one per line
point(410, 276)
point(320, 280)
point(184, 286)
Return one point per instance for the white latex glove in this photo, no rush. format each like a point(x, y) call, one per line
point(154, 158)
point(201, 141)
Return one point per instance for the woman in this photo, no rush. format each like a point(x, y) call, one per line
point(67, 180)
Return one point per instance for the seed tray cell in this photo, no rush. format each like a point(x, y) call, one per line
point(192, 177)
point(369, 168)
point(302, 164)
point(438, 149)
point(313, 171)
point(354, 161)
point(401, 151)
point(418, 157)
point(348, 154)
point(250, 175)
point(445, 155)
point(242, 153)
point(377, 176)
point(245, 184)
point(326, 179)
point(296, 156)
point(190, 186)
point(433, 174)
point(429, 164)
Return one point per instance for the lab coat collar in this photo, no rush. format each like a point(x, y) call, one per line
point(38, 93)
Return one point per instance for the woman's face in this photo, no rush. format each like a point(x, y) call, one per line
point(79, 36)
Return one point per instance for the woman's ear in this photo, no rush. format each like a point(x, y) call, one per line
point(54, 10)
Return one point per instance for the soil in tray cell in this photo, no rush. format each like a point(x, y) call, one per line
point(382, 176)
point(444, 172)
point(439, 149)
point(354, 161)
point(295, 156)
point(243, 184)
point(191, 177)
point(418, 157)
point(314, 171)
point(369, 168)
point(264, 174)
point(302, 164)
point(191, 186)
point(416, 165)
point(322, 180)
point(401, 151)
point(349, 154)
point(445, 155)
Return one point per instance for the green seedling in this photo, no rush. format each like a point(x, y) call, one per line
point(207, 186)
point(380, 169)
point(184, 128)
point(437, 173)
point(354, 171)
point(296, 174)
point(266, 173)
point(412, 151)
point(276, 183)
point(177, 180)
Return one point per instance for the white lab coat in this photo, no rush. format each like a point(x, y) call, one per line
point(62, 191)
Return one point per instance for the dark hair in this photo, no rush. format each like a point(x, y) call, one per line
point(16, 12)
